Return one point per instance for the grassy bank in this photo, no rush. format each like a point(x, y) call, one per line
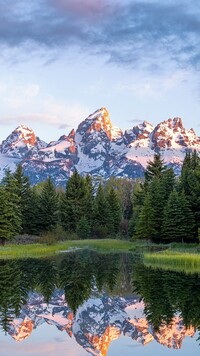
point(174, 260)
point(42, 250)
point(152, 252)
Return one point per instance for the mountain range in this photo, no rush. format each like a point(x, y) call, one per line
point(98, 148)
point(97, 322)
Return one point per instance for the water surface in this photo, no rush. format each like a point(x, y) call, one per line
point(85, 303)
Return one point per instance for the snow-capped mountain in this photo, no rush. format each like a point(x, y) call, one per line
point(100, 320)
point(20, 142)
point(98, 148)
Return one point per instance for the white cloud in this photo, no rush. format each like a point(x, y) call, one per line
point(64, 113)
point(16, 96)
point(27, 104)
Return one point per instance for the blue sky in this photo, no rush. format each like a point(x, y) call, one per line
point(63, 59)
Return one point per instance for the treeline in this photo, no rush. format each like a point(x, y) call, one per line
point(167, 208)
point(84, 209)
point(162, 208)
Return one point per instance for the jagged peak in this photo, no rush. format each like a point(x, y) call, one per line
point(102, 112)
point(174, 124)
point(21, 134)
point(72, 134)
point(23, 128)
point(177, 123)
point(97, 122)
point(20, 142)
point(146, 125)
point(177, 120)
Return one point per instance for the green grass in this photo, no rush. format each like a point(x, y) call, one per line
point(42, 250)
point(165, 258)
point(174, 261)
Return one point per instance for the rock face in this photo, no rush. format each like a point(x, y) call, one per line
point(97, 322)
point(20, 142)
point(98, 148)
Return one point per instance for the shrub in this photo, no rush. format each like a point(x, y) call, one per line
point(48, 238)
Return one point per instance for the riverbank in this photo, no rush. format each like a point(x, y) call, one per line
point(188, 262)
point(160, 254)
point(42, 250)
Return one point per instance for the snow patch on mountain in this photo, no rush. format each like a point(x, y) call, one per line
point(98, 148)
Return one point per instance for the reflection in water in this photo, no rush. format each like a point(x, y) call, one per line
point(90, 296)
point(165, 293)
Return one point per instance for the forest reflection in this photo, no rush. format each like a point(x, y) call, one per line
point(84, 273)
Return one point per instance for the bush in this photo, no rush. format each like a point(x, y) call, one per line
point(57, 234)
point(60, 233)
point(48, 238)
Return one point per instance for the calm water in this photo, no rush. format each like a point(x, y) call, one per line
point(86, 303)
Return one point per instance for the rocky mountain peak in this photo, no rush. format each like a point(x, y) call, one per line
point(177, 123)
point(98, 148)
point(97, 122)
point(170, 126)
point(24, 134)
point(172, 134)
point(20, 142)
point(138, 132)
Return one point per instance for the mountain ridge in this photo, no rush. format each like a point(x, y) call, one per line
point(98, 148)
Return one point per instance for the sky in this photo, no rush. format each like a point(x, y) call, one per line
point(63, 59)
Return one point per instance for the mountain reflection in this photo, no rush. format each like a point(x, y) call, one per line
point(98, 297)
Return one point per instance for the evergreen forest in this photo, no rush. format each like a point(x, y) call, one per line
point(160, 208)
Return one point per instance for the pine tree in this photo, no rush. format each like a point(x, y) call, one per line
point(48, 207)
point(101, 225)
point(137, 204)
point(150, 199)
point(31, 218)
point(178, 222)
point(145, 226)
point(114, 211)
point(154, 168)
point(74, 203)
point(190, 183)
point(89, 200)
point(6, 227)
point(167, 183)
point(189, 220)
point(12, 204)
point(157, 203)
point(23, 191)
